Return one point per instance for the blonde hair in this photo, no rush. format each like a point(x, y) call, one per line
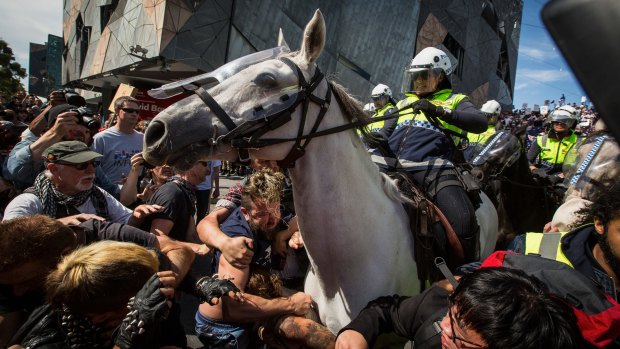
point(265, 185)
point(101, 276)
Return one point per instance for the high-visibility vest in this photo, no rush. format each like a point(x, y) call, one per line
point(378, 125)
point(553, 151)
point(481, 138)
point(547, 245)
point(443, 98)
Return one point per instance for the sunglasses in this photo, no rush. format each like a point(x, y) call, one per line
point(81, 166)
point(131, 110)
point(205, 163)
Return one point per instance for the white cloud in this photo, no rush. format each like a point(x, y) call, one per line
point(520, 86)
point(540, 53)
point(26, 21)
point(544, 75)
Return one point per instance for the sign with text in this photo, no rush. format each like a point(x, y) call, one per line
point(150, 107)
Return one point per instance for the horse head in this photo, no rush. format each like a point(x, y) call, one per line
point(239, 109)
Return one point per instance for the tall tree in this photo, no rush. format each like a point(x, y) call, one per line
point(10, 71)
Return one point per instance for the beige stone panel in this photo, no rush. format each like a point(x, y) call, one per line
point(432, 33)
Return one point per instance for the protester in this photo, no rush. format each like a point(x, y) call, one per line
point(121, 141)
point(31, 246)
point(490, 308)
point(256, 220)
point(132, 301)
point(593, 247)
point(26, 160)
point(67, 190)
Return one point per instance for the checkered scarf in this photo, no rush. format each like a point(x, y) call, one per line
point(52, 198)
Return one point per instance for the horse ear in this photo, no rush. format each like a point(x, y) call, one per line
point(314, 38)
point(281, 41)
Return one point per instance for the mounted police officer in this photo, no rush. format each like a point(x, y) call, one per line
point(433, 120)
point(491, 109)
point(550, 149)
point(383, 101)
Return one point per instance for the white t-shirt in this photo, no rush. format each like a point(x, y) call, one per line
point(206, 184)
point(117, 149)
point(28, 204)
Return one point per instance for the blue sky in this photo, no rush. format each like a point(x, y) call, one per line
point(541, 71)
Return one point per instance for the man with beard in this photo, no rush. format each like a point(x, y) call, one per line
point(228, 324)
point(66, 190)
point(593, 248)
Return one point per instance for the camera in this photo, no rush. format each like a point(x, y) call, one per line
point(86, 117)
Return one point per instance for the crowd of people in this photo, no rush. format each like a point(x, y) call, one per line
point(96, 245)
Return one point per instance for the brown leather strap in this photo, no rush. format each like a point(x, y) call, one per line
point(457, 256)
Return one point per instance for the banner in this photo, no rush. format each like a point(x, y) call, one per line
point(122, 90)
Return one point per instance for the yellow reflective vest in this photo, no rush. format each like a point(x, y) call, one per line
point(547, 245)
point(552, 150)
point(444, 98)
point(481, 138)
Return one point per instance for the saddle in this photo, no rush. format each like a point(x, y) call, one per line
point(423, 213)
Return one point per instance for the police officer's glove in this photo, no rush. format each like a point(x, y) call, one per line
point(430, 109)
point(376, 139)
point(211, 289)
point(146, 311)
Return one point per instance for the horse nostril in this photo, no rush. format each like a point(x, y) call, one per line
point(154, 134)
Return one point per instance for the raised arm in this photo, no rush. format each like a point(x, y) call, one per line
point(238, 251)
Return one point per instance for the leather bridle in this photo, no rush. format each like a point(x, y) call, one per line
point(247, 134)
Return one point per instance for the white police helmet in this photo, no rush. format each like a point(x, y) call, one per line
point(429, 60)
point(381, 90)
point(491, 107)
point(369, 107)
point(566, 115)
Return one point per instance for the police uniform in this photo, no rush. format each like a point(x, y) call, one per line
point(426, 152)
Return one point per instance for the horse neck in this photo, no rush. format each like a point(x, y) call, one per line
point(339, 192)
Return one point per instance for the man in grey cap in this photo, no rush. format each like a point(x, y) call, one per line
point(66, 190)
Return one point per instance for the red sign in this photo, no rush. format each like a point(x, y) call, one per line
point(150, 107)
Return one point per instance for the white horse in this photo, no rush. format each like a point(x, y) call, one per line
point(351, 217)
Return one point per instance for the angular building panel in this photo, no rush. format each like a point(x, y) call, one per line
point(147, 43)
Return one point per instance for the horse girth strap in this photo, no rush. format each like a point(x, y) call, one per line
point(431, 212)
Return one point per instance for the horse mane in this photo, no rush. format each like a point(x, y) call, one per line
point(349, 105)
point(353, 110)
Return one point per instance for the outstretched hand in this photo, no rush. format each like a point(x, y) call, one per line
point(79, 218)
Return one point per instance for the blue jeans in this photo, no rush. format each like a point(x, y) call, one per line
point(214, 334)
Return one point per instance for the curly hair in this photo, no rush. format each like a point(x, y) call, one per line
point(100, 277)
point(605, 208)
point(263, 283)
point(265, 185)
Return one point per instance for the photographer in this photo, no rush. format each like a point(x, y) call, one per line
point(25, 161)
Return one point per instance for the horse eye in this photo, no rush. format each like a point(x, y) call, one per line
point(265, 80)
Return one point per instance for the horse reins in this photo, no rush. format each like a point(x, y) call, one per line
point(247, 134)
